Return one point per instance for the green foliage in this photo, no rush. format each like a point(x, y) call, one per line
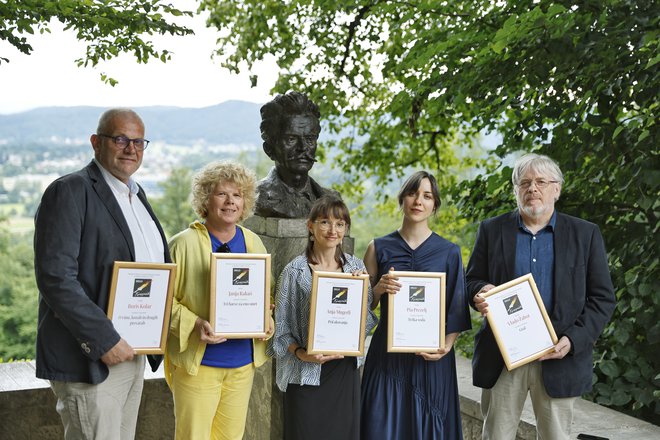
point(110, 27)
point(173, 208)
point(413, 84)
point(18, 297)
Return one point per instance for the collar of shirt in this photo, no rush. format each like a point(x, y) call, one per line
point(551, 223)
point(117, 186)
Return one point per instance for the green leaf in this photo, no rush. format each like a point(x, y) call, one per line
point(609, 368)
point(555, 9)
point(653, 335)
point(643, 135)
point(620, 398)
point(618, 130)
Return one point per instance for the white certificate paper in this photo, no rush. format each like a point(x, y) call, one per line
point(416, 321)
point(140, 304)
point(519, 321)
point(240, 295)
point(338, 310)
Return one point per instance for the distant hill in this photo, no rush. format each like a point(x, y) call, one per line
point(231, 122)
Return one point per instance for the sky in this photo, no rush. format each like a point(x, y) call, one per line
point(50, 77)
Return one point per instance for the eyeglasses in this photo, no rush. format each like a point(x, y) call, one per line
point(223, 249)
point(325, 225)
point(540, 183)
point(122, 142)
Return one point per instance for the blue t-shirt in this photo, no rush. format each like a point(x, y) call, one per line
point(232, 353)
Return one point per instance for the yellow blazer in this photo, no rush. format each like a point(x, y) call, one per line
point(190, 250)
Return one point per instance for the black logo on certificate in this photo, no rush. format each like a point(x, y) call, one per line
point(240, 276)
point(142, 287)
point(339, 295)
point(512, 304)
point(416, 294)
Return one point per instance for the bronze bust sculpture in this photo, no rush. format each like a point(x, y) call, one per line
point(290, 130)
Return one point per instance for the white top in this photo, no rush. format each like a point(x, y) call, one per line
point(146, 237)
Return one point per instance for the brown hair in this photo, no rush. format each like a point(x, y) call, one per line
point(411, 185)
point(326, 207)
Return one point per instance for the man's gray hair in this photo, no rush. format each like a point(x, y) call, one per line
point(107, 116)
point(539, 163)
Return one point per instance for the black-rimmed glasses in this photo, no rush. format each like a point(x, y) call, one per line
point(122, 142)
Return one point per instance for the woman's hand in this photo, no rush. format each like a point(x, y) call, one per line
point(271, 325)
point(206, 333)
point(440, 353)
point(435, 356)
point(301, 353)
point(388, 283)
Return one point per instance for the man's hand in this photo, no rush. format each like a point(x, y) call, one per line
point(480, 302)
point(562, 348)
point(121, 352)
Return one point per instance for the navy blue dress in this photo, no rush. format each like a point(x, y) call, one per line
point(403, 395)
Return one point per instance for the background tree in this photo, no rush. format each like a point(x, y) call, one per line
point(110, 27)
point(18, 296)
point(413, 84)
point(173, 208)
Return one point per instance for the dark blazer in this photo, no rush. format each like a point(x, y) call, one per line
point(80, 232)
point(583, 298)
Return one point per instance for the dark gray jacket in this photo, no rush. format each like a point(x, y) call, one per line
point(583, 298)
point(80, 232)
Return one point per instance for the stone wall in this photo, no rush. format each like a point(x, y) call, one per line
point(27, 410)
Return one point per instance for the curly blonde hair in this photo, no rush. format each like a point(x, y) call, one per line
point(205, 181)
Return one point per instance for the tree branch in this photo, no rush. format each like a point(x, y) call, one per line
point(351, 35)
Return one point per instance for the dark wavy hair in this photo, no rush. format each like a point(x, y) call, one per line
point(326, 207)
point(276, 114)
point(412, 184)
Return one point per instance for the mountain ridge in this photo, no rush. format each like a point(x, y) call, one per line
point(230, 122)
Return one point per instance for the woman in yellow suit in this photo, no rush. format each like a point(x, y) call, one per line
point(211, 377)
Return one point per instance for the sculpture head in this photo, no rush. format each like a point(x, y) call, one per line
point(290, 130)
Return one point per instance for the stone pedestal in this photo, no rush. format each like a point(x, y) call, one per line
point(284, 239)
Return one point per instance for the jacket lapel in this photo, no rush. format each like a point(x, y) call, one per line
point(561, 248)
point(108, 199)
point(509, 245)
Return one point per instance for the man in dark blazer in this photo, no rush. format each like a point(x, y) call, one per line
point(567, 258)
point(86, 221)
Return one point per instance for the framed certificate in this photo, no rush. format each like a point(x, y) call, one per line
point(240, 295)
point(338, 313)
point(519, 321)
point(140, 303)
point(416, 319)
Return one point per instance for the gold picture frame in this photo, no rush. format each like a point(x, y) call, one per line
point(416, 318)
point(519, 322)
point(338, 313)
point(140, 303)
point(240, 295)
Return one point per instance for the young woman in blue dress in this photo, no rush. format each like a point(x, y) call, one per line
point(414, 395)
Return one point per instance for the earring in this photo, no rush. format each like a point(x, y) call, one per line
point(311, 238)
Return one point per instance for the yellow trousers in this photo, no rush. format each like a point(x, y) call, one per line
point(213, 404)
